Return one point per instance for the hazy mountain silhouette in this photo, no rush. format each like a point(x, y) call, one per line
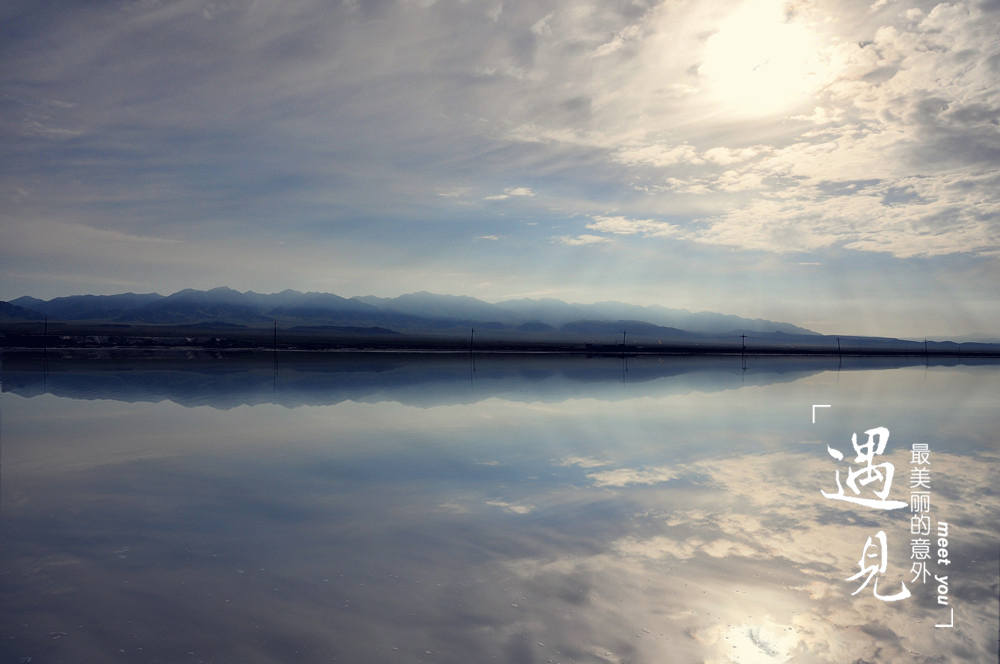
point(414, 312)
point(87, 307)
point(557, 313)
point(10, 311)
point(622, 328)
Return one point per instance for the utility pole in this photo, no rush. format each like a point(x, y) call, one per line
point(838, 345)
point(274, 359)
point(472, 359)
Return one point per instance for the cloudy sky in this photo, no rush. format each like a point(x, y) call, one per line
point(830, 164)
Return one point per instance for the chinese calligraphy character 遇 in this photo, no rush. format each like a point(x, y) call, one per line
point(868, 473)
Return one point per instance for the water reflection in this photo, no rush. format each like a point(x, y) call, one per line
point(296, 379)
point(544, 510)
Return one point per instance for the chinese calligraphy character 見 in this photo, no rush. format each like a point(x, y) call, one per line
point(872, 570)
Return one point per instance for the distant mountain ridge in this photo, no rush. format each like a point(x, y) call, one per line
point(420, 311)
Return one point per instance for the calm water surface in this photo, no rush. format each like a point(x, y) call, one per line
point(510, 509)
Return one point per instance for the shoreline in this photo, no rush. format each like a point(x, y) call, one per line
point(64, 335)
point(679, 350)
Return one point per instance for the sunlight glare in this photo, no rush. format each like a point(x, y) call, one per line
point(761, 60)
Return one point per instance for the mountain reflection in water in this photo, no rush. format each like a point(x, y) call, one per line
point(297, 379)
point(456, 508)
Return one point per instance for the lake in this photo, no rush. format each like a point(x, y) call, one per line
point(454, 508)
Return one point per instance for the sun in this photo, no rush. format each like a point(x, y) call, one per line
point(761, 60)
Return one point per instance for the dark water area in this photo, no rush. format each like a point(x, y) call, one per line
point(456, 508)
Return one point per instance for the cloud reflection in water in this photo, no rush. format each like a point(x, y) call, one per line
point(677, 519)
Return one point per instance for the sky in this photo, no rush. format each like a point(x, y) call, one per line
point(830, 164)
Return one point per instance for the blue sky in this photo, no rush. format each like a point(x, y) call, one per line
point(830, 164)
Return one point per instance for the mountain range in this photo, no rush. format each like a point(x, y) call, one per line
point(420, 312)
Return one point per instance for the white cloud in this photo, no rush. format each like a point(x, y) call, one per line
point(580, 240)
point(659, 156)
point(689, 185)
point(541, 28)
point(511, 192)
point(657, 547)
point(628, 33)
point(511, 507)
point(726, 156)
point(623, 226)
point(452, 192)
point(620, 477)
point(947, 213)
point(582, 462)
point(821, 116)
